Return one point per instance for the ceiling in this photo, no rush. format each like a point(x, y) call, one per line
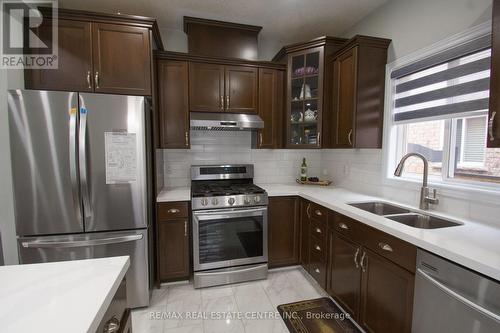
point(283, 21)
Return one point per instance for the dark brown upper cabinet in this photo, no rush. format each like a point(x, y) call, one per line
point(221, 88)
point(358, 93)
point(270, 108)
point(99, 52)
point(283, 231)
point(206, 87)
point(241, 89)
point(173, 108)
point(494, 118)
point(74, 71)
point(307, 104)
point(122, 59)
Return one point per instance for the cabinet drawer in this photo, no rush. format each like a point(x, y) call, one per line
point(173, 210)
point(317, 269)
point(318, 230)
point(319, 213)
point(318, 248)
point(345, 226)
point(396, 250)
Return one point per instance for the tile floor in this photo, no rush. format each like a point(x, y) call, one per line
point(247, 299)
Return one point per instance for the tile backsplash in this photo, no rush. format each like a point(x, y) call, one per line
point(356, 170)
point(221, 147)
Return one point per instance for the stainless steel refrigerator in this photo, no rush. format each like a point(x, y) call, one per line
point(80, 179)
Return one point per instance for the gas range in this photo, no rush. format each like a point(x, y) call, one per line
point(225, 186)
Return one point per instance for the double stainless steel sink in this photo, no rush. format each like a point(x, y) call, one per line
point(405, 216)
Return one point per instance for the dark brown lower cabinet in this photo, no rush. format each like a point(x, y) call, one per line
point(283, 231)
point(173, 249)
point(345, 275)
point(386, 296)
point(305, 207)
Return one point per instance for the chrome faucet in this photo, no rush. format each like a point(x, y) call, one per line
point(425, 198)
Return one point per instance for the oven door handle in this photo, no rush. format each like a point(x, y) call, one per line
point(239, 212)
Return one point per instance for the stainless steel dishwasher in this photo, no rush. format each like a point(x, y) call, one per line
point(451, 298)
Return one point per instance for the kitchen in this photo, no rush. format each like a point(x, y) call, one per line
point(188, 128)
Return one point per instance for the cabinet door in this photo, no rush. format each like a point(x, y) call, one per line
point(241, 89)
point(344, 73)
point(74, 72)
point(122, 59)
point(345, 273)
point(387, 296)
point(494, 116)
point(206, 87)
point(173, 106)
point(305, 208)
point(173, 249)
point(283, 231)
point(270, 107)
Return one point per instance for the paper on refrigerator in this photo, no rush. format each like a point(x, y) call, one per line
point(121, 157)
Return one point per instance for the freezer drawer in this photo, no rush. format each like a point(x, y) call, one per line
point(96, 245)
point(451, 298)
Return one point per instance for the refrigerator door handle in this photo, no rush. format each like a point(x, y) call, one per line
point(90, 242)
point(73, 160)
point(82, 154)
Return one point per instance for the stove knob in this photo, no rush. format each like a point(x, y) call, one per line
point(247, 201)
point(215, 201)
point(256, 199)
point(230, 201)
point(204, 201)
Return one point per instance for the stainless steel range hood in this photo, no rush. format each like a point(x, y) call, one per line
point(225, 121)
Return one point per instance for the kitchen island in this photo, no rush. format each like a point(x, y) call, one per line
point(60, 296)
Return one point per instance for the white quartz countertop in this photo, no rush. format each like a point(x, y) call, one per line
point(67, 296)
point(474, 245)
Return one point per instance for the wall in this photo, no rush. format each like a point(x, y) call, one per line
point(412, 25)
point(211, 147)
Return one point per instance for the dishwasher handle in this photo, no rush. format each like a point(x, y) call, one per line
point(458, 297)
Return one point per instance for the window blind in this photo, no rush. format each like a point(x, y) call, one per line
point(440, 87)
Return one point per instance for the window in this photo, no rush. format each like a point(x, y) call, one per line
point(440, 110)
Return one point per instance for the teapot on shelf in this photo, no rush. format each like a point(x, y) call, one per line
point(310, 115)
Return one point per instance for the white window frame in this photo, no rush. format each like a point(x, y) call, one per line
point(463, 189)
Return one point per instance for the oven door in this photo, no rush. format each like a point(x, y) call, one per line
point(229, 237)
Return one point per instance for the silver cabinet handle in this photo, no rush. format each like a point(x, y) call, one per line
point(308, 210)
point(362, 263)
point(96, 79)
point(173, 210)
point(385, 247)
point(318, 212)
point(317, 270)
point(186, 135)
point(185, 228)
point(317, 248)
point(113, 325)
point(490, 125)
point(319, 139)
point(221, 103)
point(260, 138)
point(318, 230)
point(356, 257)
point(82, 243)
point(349, 137)
point(459, 297)
point(227, 102)
point(343, 226)
point(88, 80)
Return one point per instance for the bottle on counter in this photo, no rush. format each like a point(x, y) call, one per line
point(303, 170)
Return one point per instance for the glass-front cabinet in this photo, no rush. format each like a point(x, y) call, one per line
point(306, 110)
point(305, 98)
